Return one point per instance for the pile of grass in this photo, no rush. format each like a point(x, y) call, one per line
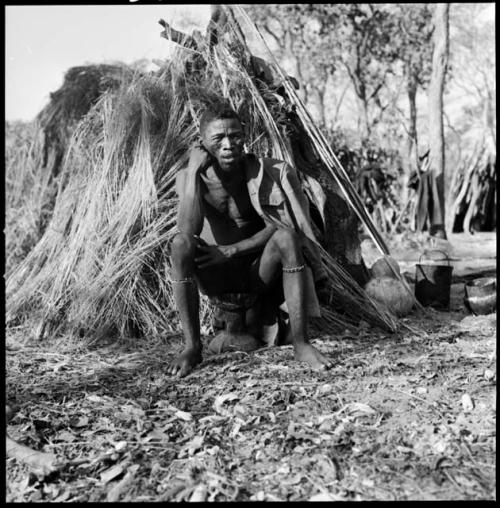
point(99, 261)
point(35, 153)
point(81, 89)
point(101, 266)
point(29, 194)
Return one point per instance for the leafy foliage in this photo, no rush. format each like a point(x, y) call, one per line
point(377, 49)
point(412, 40)
point(368, 41)
point(375, 173)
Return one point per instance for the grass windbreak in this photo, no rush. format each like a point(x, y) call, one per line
point(100, 262)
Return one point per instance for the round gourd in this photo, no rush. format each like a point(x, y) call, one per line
point(382, 268)
point(391, 293)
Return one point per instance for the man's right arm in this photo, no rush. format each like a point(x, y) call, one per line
point(190, 213)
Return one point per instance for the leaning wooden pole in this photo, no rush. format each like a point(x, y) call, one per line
point(325, 151)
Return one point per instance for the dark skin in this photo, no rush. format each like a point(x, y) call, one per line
point(237, 231)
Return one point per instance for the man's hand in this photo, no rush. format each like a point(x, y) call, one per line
point(212, 254)
point(199, 158)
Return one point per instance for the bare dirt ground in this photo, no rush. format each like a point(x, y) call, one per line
point(410, 415)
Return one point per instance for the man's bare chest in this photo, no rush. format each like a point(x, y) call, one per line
point(229, 200)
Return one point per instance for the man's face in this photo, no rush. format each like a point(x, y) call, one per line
point(224, 139)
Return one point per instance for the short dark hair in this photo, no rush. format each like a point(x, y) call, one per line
point(219, 111)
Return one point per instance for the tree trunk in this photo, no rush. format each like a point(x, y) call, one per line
point(337, 107)
point(436, 131)
point(318, 100)
point(360, 90)
point(366, 118)
point(294, 64)
point(489, 115)
point(411, 159)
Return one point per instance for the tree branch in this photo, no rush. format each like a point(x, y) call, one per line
point(376, 90)
point(354, 78)
point(272, 34)
point(339, 102)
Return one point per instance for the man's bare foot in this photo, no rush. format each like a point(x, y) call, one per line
point(185, 362)
point(309, 354)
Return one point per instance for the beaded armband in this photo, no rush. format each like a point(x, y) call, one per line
point(294, 269)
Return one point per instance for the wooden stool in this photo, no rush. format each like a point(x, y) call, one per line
point(235, 336)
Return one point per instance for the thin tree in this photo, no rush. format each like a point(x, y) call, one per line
point(435, 200)
point(414, 43)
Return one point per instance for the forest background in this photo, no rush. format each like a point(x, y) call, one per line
point(365, 73)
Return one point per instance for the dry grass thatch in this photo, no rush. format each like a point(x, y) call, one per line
point(29, 195)
point(81, 89)
point(101, 266)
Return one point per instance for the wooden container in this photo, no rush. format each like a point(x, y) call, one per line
point(481, 295)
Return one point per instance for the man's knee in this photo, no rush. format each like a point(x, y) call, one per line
point(183, 246)
point(287, 246)
point(286, 240)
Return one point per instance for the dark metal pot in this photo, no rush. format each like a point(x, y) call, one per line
point(433, 283)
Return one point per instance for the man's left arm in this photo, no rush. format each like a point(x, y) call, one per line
point(215, 254)
point(254, 243)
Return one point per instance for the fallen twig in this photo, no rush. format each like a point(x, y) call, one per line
point(421, 399)
point(452, 480)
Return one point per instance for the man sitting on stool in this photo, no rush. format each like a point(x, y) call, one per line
point(243, 227)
